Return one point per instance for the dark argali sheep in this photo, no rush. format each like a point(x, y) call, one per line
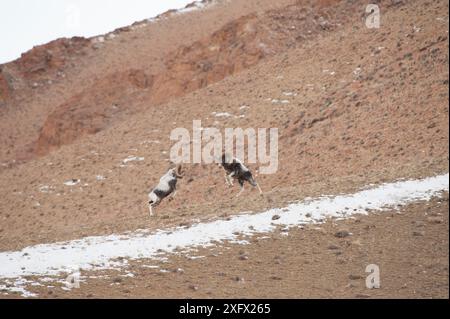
point(167, 186)
point(234, 168)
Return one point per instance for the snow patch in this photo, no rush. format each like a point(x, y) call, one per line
point(132, 158)
point(46, 189)
point(277, 101)
point(150, 142)
point(221, 114)
point(72, 182)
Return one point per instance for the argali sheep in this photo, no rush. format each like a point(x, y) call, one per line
point(234, 168)
point(167, 186)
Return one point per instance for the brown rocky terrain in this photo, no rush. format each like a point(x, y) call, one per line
point(409, 246)
point(91, 110)
point(354, 106)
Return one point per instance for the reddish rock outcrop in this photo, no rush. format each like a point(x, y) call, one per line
point(45, 60)
point(236, 46)
point(90, 111)
point(240, 45)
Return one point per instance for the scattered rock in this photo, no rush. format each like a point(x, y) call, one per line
point(435, 220)
point(193, 287)
point(179, 271)
point(333, 247)
point(275, 278)
point(238, 279)
point(185, 224)
point(342, 234)
point(355, 277)
point(276, 217)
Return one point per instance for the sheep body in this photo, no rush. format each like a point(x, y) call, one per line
point(234, 168)
point(167, 186)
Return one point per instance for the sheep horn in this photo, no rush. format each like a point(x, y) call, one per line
point(178, 171)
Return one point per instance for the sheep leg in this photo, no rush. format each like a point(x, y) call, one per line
point(172, 196)
point(259, 188)
point(230, 178)
point(150, 207)
point(240, 192)
point(152, 204)
point(226, 179)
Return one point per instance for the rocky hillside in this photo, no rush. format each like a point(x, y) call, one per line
point(240, 44)
point(348, 114)
point(85, 134)
point(236, 46)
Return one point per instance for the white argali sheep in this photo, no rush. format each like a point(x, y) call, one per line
point(167, 186)
point(234, 168)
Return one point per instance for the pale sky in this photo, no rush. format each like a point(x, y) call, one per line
point(26, 23)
